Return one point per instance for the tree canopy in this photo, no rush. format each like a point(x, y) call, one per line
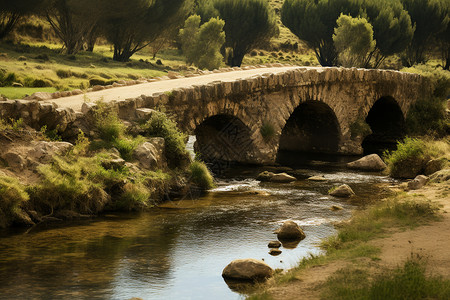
point(248, 24)
point(430, 18)
point(353, 39)
point(313, 21)
point(12, 11)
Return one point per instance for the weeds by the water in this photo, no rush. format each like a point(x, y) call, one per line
point(200, 175)
point(12, 195)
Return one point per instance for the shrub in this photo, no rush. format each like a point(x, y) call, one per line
point(107, 122)
point(63, 73)
point(133, 197)
point(12, 195)
point(100, 81)
point(359, 128)
point(267, 131)
point(200, 175)
point(160, 125)
point(428, 117)
point(7, 79)
point(42, 83)
point(411, 153)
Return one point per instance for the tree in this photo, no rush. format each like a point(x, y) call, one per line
point(131, 25)
point(353, 39)
point(430, 18)
point(75, 22)
point(443, 42)
point(392, 28)
point(248, 24)
point(313, 21)
point(11, 12)
point(201, 44)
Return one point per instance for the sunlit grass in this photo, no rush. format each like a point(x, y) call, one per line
point(21, 92)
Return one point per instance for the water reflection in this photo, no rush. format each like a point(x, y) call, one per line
point(177, 251)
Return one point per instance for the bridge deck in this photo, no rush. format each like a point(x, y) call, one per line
point(122, 93)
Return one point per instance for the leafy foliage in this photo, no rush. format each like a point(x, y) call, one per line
point(430, 17)
point(248, 24)
point(160, 125)
point(353, 39)
point(201, 45)
point(314, 22)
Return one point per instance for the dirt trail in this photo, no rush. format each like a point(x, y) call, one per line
point(122, 93)
point(431, 242)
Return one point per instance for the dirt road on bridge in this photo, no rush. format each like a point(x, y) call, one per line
point(133, 91)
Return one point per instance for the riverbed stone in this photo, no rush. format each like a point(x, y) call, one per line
point(343, 191)
point(317, 178)
point(282, 178)
point(265, 176)
point(274, 244)
point(417, 182)
point(336, 208)
point(275, 251)
point(371, 162)
point(247, 270)
point(290, 231)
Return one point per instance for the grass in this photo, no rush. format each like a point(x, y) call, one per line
point(408, 281)
point(352, 242)
point(200, 175)
point(267, 131)
point(12, 196)
point(21, 92)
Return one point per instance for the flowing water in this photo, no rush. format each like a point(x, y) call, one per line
point(176, 251)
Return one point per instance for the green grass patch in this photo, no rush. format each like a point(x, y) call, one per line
point(200, 175)
point(405, 282)
point(268, 132)
point(12, 196)
point(21, 92)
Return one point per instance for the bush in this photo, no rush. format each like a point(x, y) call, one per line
point(7, 79)
point(133, 197)
point(160, 125)
point(359, 128)
point(410, 154)
point(41, 83)
point(63, 73)
point(101, 81)
point(267, 131)
point(12, 195)
point(200, 175)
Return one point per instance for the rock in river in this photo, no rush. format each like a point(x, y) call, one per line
point(274, 244)
point(370, 162)
point(247, 270)
point(282, 177)
point(343, 191)
point(290, 231)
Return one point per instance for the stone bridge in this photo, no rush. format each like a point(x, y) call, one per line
point(311, 110)
point(326, 110)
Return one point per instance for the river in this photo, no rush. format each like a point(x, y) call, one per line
point(178, 250)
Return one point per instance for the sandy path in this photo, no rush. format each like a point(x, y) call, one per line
point(122, 93)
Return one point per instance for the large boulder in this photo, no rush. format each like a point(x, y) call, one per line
point(282, 178)
point(247, 270)
point(43, 151)
point(370, 162)
point(290, 231)
point(343, 191)
point(409, 168)
point(151, 154)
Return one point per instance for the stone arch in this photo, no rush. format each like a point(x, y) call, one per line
point(223, 139)
point(387, 122)
point(311, 128)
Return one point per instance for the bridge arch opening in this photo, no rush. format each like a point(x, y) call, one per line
point(387, 123)
point(221, 140)
point(311, 129)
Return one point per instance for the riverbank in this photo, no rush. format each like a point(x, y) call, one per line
point(409, 228)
